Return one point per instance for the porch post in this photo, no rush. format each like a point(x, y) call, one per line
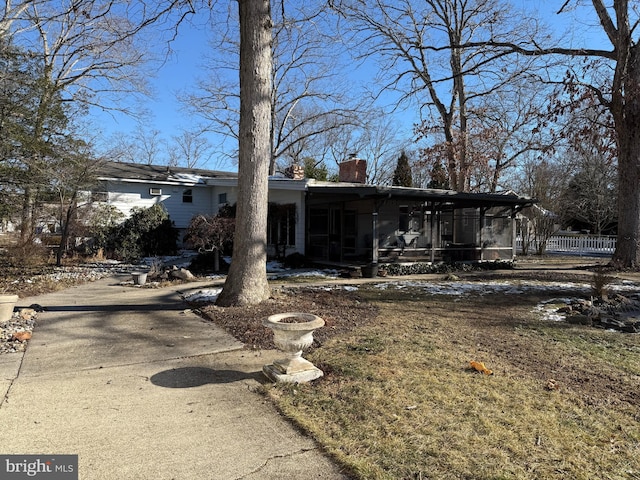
point(480, 239)
point(432, 209)
point(514, 249)
point(374, 234)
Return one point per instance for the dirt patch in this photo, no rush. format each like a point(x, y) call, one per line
point(499, 329)
point(342, 310)
point(503, 331)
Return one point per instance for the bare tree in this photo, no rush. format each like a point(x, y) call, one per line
point(590, 198)
point(87, 51)
point(421, 47)
point(190, 149)
point(247, 279)
point(72, 172)
point(376, 138)
point(92, 49)
point(613, 77)
point(505, 127)
point(309, 99)
point(381, 142)
point(9, 14)
point(144, 145)
point(541, 180)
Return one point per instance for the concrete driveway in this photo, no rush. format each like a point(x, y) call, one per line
point(139, 387)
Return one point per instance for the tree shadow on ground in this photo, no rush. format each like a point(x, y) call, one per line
point(189, 377)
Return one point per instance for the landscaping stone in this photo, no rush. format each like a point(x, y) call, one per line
point(616, 312)
point(182, 274)
point(16, 332)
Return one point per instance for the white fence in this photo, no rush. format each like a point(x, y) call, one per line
point(575, 244)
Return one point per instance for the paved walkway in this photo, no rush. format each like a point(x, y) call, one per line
point(141, 388)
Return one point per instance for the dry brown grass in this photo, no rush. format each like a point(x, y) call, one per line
point(399, 402)
point(39, 275)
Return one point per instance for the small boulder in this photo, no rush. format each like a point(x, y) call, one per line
point(182, 274)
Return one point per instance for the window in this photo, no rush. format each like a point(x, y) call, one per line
point(187, 196)
point(281, 224)
point(222, 199)
point(155, 191)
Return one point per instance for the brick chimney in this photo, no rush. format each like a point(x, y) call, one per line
point(353, 170)
point(296, 172)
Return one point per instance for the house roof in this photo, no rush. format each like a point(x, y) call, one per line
point(158, 173)
point(338, 191)
point(344, 191)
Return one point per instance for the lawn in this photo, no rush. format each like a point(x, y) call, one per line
point(399, 401)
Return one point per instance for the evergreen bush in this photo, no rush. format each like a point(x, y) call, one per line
point(147, 232)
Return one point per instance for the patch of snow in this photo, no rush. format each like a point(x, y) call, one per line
point(215, 276)
point(548, 309)
point(275, 266)
point(280, 271)
point(329, 288)
point(304, 274)
point(182, 260)
point(187, 177)
point(203, 296)
point(476, 288)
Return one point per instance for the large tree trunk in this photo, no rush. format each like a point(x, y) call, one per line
point(26, 219)
point(247, 279)
point(626, 113)
point(627, 254)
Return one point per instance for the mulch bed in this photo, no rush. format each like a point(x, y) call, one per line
point(342, 310)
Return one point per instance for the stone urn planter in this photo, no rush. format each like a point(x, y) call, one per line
point(139, 278)
point(7, 304)
point(293, 333)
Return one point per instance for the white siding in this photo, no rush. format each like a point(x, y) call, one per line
point(126, 196)
point(180, 212)
point(231, 195)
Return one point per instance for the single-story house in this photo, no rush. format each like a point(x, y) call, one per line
point(333, 222)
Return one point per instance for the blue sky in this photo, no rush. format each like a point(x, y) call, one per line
point(184, 67)
point(177, 74)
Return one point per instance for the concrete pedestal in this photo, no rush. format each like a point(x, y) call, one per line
point(275, 374)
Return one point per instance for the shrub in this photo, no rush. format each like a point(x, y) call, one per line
point(206, 233)
point(600, 282)
point(147, 232)
point(296, 260)
point(27, 254)
point(101, 224)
